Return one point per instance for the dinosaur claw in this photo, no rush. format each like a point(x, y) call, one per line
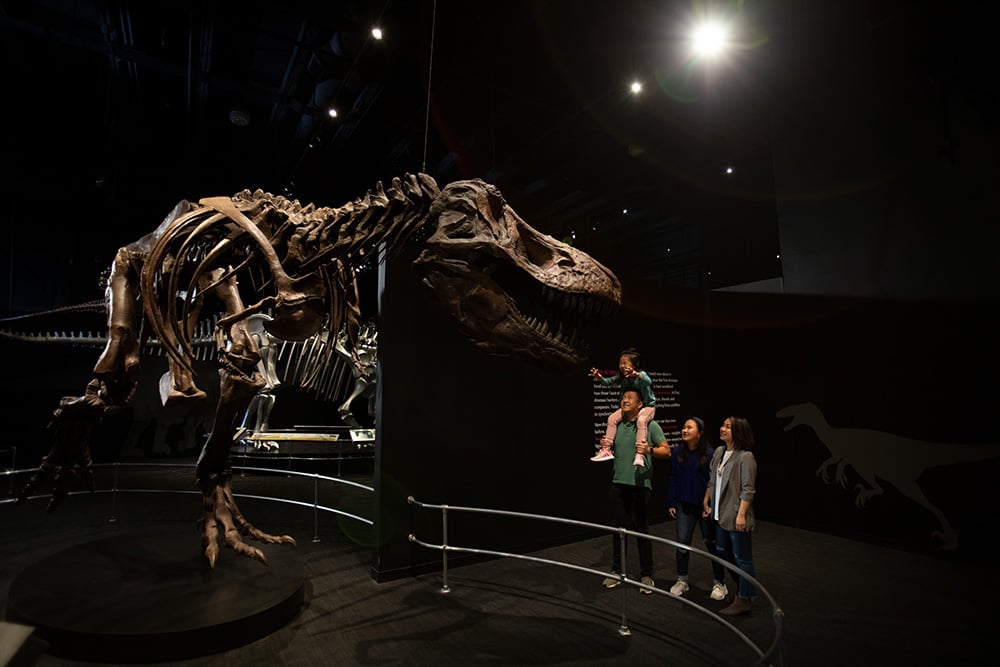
point(948, 539)
point(224, 523)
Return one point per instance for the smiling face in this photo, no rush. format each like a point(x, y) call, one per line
point(726, 433)
point(630, 403)
point(690, 434)
point(625, 366)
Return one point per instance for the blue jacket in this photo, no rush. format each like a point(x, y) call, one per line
point(688, 480)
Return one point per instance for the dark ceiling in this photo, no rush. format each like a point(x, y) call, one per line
point(115, 110)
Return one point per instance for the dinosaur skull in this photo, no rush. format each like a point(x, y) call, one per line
point(512, 289)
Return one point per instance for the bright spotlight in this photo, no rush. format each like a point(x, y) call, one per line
point(377, 33)
point(636, 87)
point(331, 112)
point(709, 39)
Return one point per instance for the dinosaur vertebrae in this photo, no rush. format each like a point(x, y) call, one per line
point(285, 254)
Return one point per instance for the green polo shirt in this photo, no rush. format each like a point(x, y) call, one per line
point(626, 472)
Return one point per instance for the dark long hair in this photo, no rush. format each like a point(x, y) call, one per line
point(742, 434)
point(702, 447)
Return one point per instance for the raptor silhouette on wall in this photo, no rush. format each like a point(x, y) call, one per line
point(511, 289)
point(876, 455)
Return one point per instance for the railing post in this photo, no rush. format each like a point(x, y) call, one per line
point(114, 492)
point(315, 507)
point(623, 629)
point(13, 467)
point(444, 551)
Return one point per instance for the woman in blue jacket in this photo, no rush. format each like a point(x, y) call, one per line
point(689, 466)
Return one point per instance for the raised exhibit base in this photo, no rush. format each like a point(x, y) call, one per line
point(153, 598)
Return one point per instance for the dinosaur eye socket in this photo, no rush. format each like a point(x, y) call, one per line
point(538, 254)
point(458, 226)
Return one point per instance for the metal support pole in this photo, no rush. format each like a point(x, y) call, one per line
point(444, 550)
point(623, 629)
point(13, 467)
point(315, 507)
point(114, 492)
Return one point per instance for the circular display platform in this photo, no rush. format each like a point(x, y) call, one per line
point(153, 598)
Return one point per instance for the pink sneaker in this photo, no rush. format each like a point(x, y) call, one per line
point(603, 455)
point(640, 460)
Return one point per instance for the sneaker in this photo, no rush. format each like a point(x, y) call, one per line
point(680, 588)
point(611, 582)
point(649, 582)
point(603, 455)
point(640, 460)
point(719, 591)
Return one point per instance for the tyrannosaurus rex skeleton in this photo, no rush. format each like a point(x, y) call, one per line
point(511, 289)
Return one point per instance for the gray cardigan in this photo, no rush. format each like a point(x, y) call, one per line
point(738, 482)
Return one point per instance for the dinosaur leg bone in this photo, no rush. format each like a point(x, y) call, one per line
point(238, 383)
point(118, 365)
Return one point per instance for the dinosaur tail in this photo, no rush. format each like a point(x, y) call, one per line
point(955, 454)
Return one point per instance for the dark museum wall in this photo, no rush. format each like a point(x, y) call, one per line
point(865, 414)
point(460, 427)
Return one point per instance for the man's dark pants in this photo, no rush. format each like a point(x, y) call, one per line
point(629, 505)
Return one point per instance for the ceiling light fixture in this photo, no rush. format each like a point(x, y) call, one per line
point(377, 33)
point(239, 116)
point(709, 39)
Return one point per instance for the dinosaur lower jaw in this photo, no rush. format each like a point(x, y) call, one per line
point(491, 317)
point(555, 351)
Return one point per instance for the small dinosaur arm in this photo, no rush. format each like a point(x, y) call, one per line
point(511, 289)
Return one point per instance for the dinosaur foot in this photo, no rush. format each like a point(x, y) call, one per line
point(40, 475)
point(223, 523)
point(65, 477)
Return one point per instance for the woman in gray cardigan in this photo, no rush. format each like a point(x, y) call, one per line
point(732, 482)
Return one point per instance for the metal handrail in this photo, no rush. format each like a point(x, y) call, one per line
point(114, 490)
point(360, 455)
point(773, 655)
